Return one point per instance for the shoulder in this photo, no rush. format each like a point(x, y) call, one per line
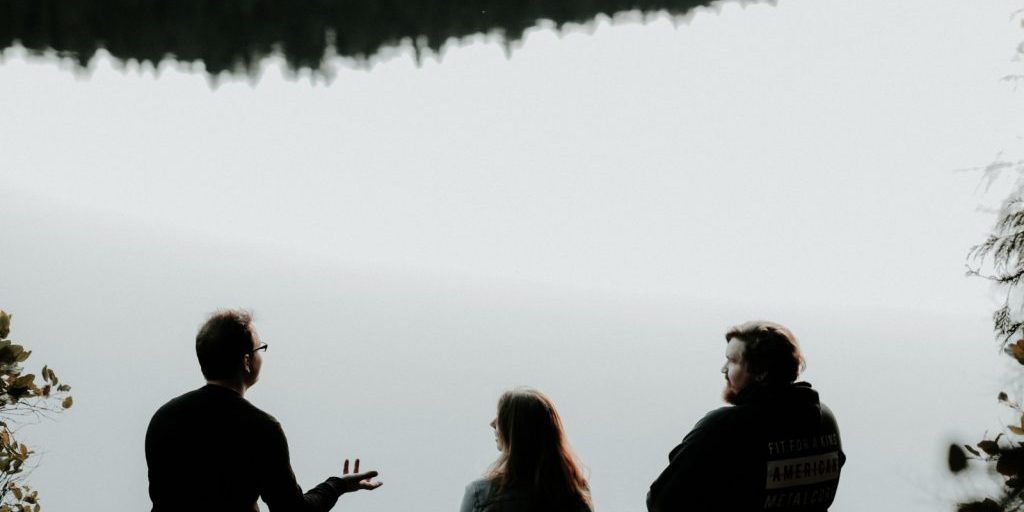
point(721, 417)
point(171, 416)
point(828, 421)
point(826, 411)
point(257, 413)
point(212, 403)
point(478, 493)
point(713, 426)
point(178, 403)
point(260, 419)
point(724, 413)
point(481, 488)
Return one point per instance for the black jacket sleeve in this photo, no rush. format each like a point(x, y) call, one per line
point(684, 484)
point(279, 489)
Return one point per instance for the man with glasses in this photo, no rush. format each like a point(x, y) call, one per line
point(211, 450)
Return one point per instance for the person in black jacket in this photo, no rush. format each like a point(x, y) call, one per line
point(776, 448)
point(211, 450)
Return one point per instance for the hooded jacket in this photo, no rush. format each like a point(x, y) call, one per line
point(777, 449)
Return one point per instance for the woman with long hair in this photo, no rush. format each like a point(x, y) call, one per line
point(536, 471)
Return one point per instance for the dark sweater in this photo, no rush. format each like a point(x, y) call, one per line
point(777, 449)
point(211, 450)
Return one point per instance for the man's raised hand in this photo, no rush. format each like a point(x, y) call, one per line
point(356, 481)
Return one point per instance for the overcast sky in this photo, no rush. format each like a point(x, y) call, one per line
point(799, 155)
point(774, 152)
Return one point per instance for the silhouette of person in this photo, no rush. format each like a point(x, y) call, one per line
point(211, 450)
point(536, 470)
point(776, 448)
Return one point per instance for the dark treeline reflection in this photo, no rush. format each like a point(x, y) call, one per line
point(235, 36)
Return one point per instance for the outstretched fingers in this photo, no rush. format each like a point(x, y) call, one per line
point(366, 480)
point(357, 480)
point(344, 468)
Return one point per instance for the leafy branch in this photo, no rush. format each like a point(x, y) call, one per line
point(21, 396)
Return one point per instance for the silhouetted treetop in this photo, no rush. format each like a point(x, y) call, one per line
point(235, 35)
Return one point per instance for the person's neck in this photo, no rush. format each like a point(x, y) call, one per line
point(236, 385)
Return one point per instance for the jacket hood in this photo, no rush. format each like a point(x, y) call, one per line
point(797, 393)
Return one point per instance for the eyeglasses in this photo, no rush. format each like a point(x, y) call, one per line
point(261, 348)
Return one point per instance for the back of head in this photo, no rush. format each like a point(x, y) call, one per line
point(222, 342)
point(537, 456)
point(771, 351)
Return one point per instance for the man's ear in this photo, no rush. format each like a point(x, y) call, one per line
point(247, 363)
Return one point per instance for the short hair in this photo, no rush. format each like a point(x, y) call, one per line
point(770, 351)
point(222, 342)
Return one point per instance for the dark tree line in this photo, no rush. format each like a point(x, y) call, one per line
point(236, 35)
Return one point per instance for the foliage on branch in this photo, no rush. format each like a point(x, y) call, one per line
point(21, 398)
point(1000, 258)
point(1006, 455)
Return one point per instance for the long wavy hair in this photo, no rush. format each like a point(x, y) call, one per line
point(536, 455)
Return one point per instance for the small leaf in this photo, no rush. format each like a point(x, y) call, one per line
point(1003, 397)
point(64, 388)
point(1016, 430)
point(49, 376)
point(7, 352)
point(5, 324)
point(957, 458)
point(989, 447)
point(1017, 351)
point(69, 401)
point(25, 353)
